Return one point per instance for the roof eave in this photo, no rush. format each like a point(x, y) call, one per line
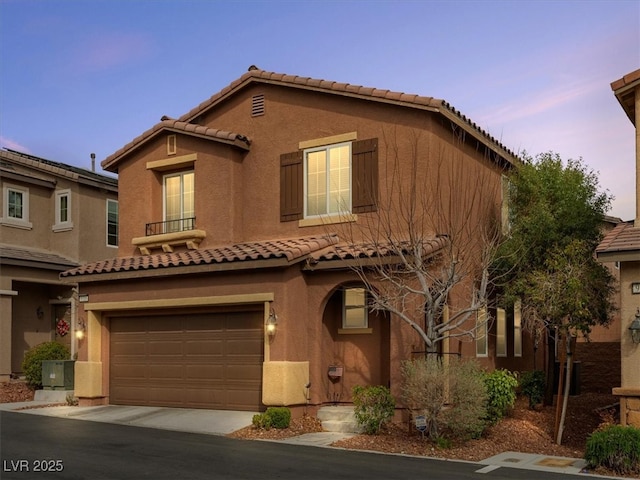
point(170, 271)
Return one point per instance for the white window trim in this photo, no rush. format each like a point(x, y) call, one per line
point(482, 333)
point(342, 212)
point(501, 333)
point(164, 192)
point(59, 225)
point(11, 221)
point(110, 200)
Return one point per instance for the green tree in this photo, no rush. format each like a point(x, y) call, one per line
point(547, 261)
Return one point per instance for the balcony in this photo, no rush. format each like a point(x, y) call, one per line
point(170, 234)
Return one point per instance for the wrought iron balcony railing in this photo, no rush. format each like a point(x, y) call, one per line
point(170, 226)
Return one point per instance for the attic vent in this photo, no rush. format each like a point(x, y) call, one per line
point(257, 105)
point(171, 145)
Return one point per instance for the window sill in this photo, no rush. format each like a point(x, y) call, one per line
point(328, 220)
point(355, 331)
point(62, 227)
point(10, 222)
point(166, 241)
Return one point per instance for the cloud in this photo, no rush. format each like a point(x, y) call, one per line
point(12, 145)
point(108, 50)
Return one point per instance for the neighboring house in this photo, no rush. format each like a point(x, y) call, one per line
point(232, 287)
point(598, 357)
point(622, 245)
point(53, 217)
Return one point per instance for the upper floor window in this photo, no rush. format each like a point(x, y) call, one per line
point(179, 201)
point(328, 179)
point(112, 223)
point(355, 313)
point(63, 211)
point(15, 211)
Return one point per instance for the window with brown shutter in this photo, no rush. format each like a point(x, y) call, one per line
point(291, 186)
point(364, 163)
point(364, 180)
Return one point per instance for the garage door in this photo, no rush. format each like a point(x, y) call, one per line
point(198, 361)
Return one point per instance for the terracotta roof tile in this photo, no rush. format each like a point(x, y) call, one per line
point(290, 249)
point(256, 75)
point(623, 238)
point(351, 251)
point(174, 125)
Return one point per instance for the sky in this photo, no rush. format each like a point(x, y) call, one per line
point(88, 76)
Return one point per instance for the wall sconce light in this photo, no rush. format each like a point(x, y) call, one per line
point(39, 313)
point(80, 330)
point(634, 328)
point(272, 321)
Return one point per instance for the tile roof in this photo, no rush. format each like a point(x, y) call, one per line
point(173, 125)
point(12, 255)
point(624, 90)
point(256, 75)
point(623, 238)
point(57, 168)
point(349, 251)
point(289, 250)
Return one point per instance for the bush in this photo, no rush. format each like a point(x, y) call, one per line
point(277, 417)
point(468, 398)
point(423, 390)
point(532, 385)
point(373, 406)
point(614, 447)
point(452, 396)
point(32, 363)
point(501, 389)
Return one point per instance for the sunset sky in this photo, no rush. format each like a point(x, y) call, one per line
point(78, 77)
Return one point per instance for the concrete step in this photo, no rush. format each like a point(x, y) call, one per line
point(338, 419)
point(53, 396)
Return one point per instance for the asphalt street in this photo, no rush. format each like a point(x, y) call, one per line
point(34, 447)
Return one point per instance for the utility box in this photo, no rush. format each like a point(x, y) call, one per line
point(57, 374)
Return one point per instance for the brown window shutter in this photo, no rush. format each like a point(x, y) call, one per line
point(291, 186)
point(364, 161)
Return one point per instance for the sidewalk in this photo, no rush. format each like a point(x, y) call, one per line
point(223, 422)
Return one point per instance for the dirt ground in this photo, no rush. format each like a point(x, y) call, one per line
point(524, 430)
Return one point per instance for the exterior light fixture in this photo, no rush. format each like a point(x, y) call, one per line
point(634, 328)
point(80, 330)
point(272, 321)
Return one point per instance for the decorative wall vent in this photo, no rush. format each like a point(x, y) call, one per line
point(257, 105)
point(171, 145)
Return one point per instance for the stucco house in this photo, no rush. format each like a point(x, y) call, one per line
point(622, 245)
point(53, 217)
point(240, 222)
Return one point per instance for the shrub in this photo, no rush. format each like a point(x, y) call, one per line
point(532, 385)
point(280, 416)
point(468, 399)
point(501, 389)
point(277, 417)
point(423, 390)
point(452, 396)
point(32, 363)
point(614, 447)
point(373, 406)
point(261, 421)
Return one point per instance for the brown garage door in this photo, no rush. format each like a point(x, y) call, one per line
point(198, 361)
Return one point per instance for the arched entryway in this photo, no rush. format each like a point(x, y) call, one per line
point(356, 340)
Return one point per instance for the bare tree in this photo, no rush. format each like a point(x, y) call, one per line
point(425, 254)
